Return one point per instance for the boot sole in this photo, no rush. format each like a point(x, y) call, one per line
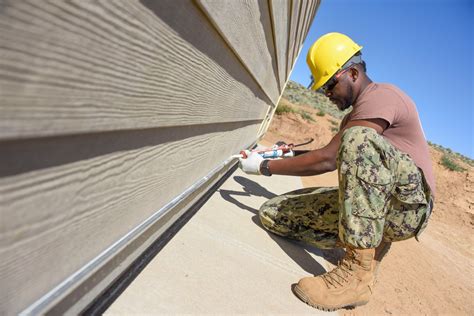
point(302, 296)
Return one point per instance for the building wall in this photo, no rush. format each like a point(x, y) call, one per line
point(111, 109)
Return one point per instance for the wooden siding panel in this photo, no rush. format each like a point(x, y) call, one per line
point(304, 9)
point(309, 16)
point(280, 10)
point(307, 21)
point(244, 25)
point(86, 66)
point(309, 13)
point(314, 8)
point(54, 220)
point(295, 12)
point(110, 109)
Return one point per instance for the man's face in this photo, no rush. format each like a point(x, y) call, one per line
point(339, 90)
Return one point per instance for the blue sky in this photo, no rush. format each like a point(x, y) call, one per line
point(423, 47)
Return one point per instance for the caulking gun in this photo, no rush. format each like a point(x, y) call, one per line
point(279, 150)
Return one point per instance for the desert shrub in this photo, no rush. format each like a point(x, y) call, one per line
point(334, 123)
point(452, 154)
point(283, 108)
point(299, 95)
point(321, 113)
point(306, 116)
point(450, 164)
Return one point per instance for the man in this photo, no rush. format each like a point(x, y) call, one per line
point(386, 182)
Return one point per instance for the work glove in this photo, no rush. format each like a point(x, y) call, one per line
point(251, 164)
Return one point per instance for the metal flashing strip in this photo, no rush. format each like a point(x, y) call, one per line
point(55, 296)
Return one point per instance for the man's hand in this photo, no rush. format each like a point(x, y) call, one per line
point(251, 165)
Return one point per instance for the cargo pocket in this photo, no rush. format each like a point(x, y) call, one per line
point(409, 210)
point(424, 220)
point(372, 192)
point(409, 188)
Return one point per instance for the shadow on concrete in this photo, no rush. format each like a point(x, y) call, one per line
point(253, 188)
point(249, 188)
point(228, 196)
point(296, 250)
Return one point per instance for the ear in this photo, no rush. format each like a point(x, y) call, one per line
point(354, 74)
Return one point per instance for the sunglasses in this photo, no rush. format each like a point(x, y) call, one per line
point(331, 83)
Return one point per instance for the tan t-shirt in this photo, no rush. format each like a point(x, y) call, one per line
point(385, 101)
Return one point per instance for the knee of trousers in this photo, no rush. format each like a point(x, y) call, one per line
point(360, 141)
point(355, 139)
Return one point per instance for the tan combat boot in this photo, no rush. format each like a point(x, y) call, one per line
point(380, 253)
point(347, 285)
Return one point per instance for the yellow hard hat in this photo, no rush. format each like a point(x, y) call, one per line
point(328, 54)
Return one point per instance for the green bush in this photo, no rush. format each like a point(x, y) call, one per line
point(334, 123)
point(450, 164)
point(306, 116)
point(321, 113)
point(283, 108)
point(451, 153)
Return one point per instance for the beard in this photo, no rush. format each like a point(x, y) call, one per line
point(347, 101)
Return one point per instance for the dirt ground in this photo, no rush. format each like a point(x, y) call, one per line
point(432, 277)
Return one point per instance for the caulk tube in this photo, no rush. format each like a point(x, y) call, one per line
point(269, 154)
point(272, 153)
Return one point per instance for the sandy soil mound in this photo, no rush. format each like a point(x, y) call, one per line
point(293, 128)
point(432, 277)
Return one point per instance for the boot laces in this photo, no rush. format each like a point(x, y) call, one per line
point(340, 275)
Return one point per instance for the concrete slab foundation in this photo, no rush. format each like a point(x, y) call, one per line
point(223, 262)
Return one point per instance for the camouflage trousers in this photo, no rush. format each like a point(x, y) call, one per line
point(382, 195)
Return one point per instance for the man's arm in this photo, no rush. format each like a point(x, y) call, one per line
point(320, 160)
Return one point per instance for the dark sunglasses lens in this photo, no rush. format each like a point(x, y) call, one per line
point(329, 85)
point(332, 85)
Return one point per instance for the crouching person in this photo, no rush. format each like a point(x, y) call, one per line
point(386, 183)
